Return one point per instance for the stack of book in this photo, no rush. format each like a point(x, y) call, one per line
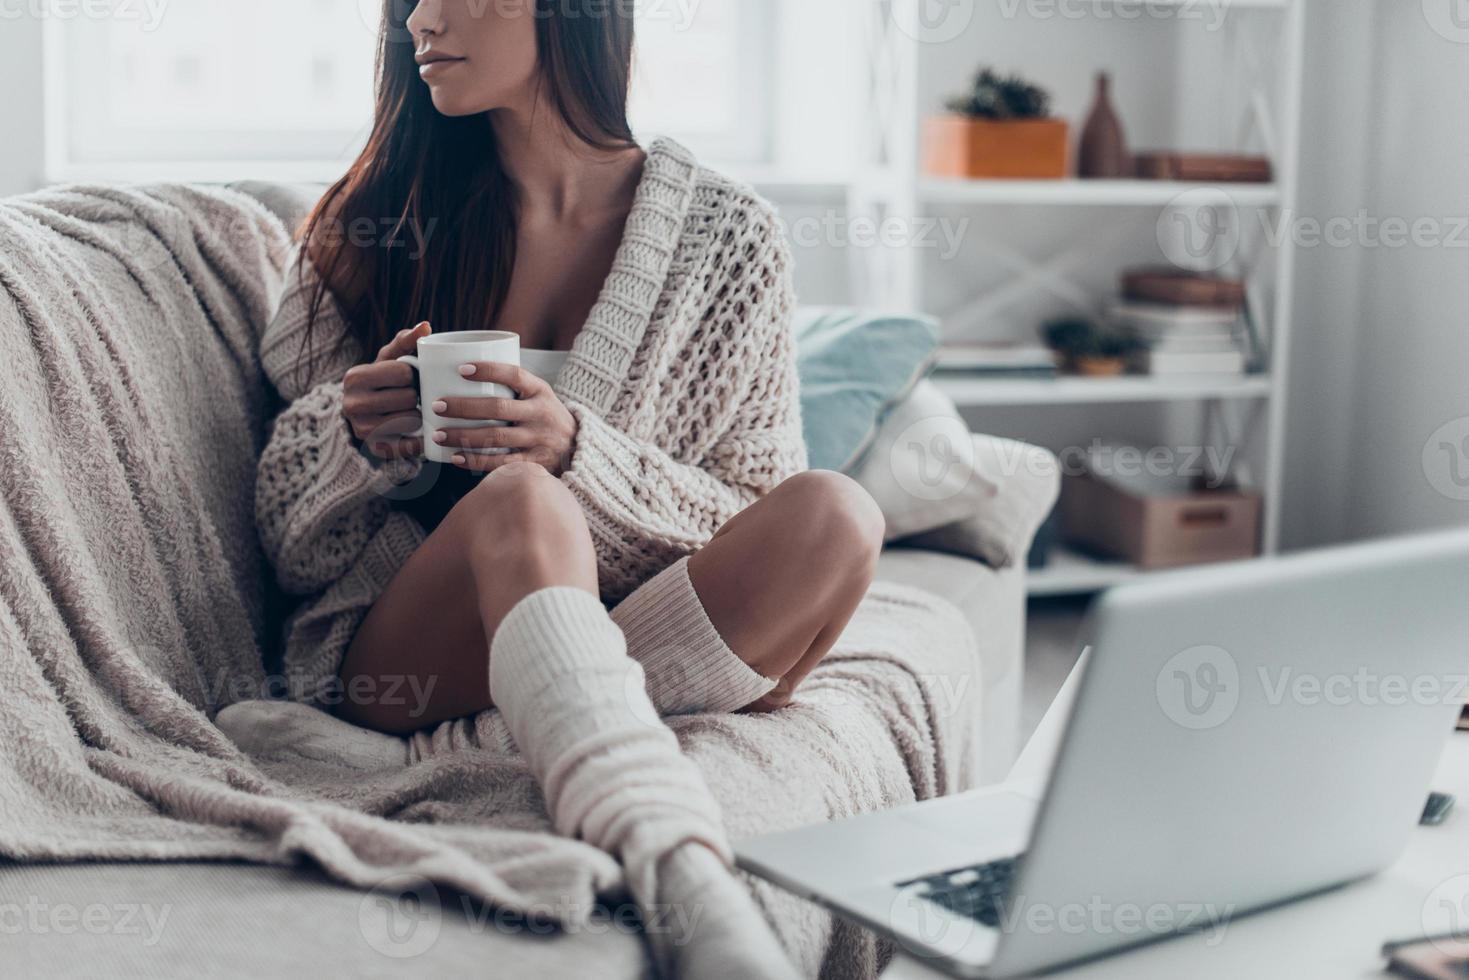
point(1191, 324)
point(1024, 361)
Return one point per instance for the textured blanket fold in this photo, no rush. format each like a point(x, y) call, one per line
point(133, 607)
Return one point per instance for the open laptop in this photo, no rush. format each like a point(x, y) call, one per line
point(1240, 735)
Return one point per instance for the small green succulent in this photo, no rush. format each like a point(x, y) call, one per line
point(995, 96)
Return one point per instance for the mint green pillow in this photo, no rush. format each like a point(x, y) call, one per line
point(855, 366)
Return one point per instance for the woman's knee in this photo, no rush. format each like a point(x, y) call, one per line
point(833, 520)
point(521, 510)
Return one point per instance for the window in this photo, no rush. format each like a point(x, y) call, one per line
point(217, 89)
point(703, 75)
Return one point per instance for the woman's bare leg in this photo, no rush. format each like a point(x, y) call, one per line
point(518, 532)
point(781, 580)
point(515, 560)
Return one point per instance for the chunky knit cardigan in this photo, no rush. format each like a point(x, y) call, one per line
point(683, 384)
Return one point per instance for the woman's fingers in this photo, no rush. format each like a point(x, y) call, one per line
point(485, 409)
point(517, 379)
point(381, 401)
point(386, 427)
point(404, 342)
point(490, 437)
point(488, 464)
point(382, 374)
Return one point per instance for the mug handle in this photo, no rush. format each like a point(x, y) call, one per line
point(412, 361)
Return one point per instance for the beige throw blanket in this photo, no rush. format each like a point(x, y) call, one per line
point(134, 606)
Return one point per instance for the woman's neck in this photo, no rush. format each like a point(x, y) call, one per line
point(557, 174)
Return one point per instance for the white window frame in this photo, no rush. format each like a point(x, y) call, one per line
point(752, 142)
point(747, 147)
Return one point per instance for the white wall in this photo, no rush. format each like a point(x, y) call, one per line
point(1337, 125)
point(1382, 350)
point(22, 152)
point(1412, 370)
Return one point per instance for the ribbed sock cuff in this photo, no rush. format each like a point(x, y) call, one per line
point(690, 669)
point(550, 634)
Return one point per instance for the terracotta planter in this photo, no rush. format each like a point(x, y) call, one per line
point(1097, 367)
point(958, 146)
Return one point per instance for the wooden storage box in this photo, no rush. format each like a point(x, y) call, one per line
point(1162, 531)
point(958, 146)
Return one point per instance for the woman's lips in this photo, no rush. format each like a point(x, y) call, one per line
point(434, 69)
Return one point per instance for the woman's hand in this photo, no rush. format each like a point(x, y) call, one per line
point(380, 400)
point(542, 430)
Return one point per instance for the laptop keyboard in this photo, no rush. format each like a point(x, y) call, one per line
point(976, 892)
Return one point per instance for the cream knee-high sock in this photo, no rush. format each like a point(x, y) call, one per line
point(689, 668)
point(613, 774)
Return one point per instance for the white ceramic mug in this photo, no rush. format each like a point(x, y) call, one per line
point(437, 362)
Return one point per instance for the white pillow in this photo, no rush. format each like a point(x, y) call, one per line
point(944, 488)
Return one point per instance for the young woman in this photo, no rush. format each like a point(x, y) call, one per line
point(658, 472)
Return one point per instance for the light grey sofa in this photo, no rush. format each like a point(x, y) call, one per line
point(229, 920)
point(225, 919)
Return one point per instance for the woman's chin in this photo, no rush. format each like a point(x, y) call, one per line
point(449, 103)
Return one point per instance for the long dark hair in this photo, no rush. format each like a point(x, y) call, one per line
point(433, 188)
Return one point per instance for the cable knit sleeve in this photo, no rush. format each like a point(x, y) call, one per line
point(318, 498)
point(648, 509)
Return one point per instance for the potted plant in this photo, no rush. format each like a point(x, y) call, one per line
point(1001, 127)
point(1083, 347)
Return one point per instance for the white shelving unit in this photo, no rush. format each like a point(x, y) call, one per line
point(1262, 43)
point(1085, 193)
point(973, 392)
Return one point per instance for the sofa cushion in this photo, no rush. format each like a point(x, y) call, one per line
point(920, 467)
point(854, 368)
point(946, 489)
